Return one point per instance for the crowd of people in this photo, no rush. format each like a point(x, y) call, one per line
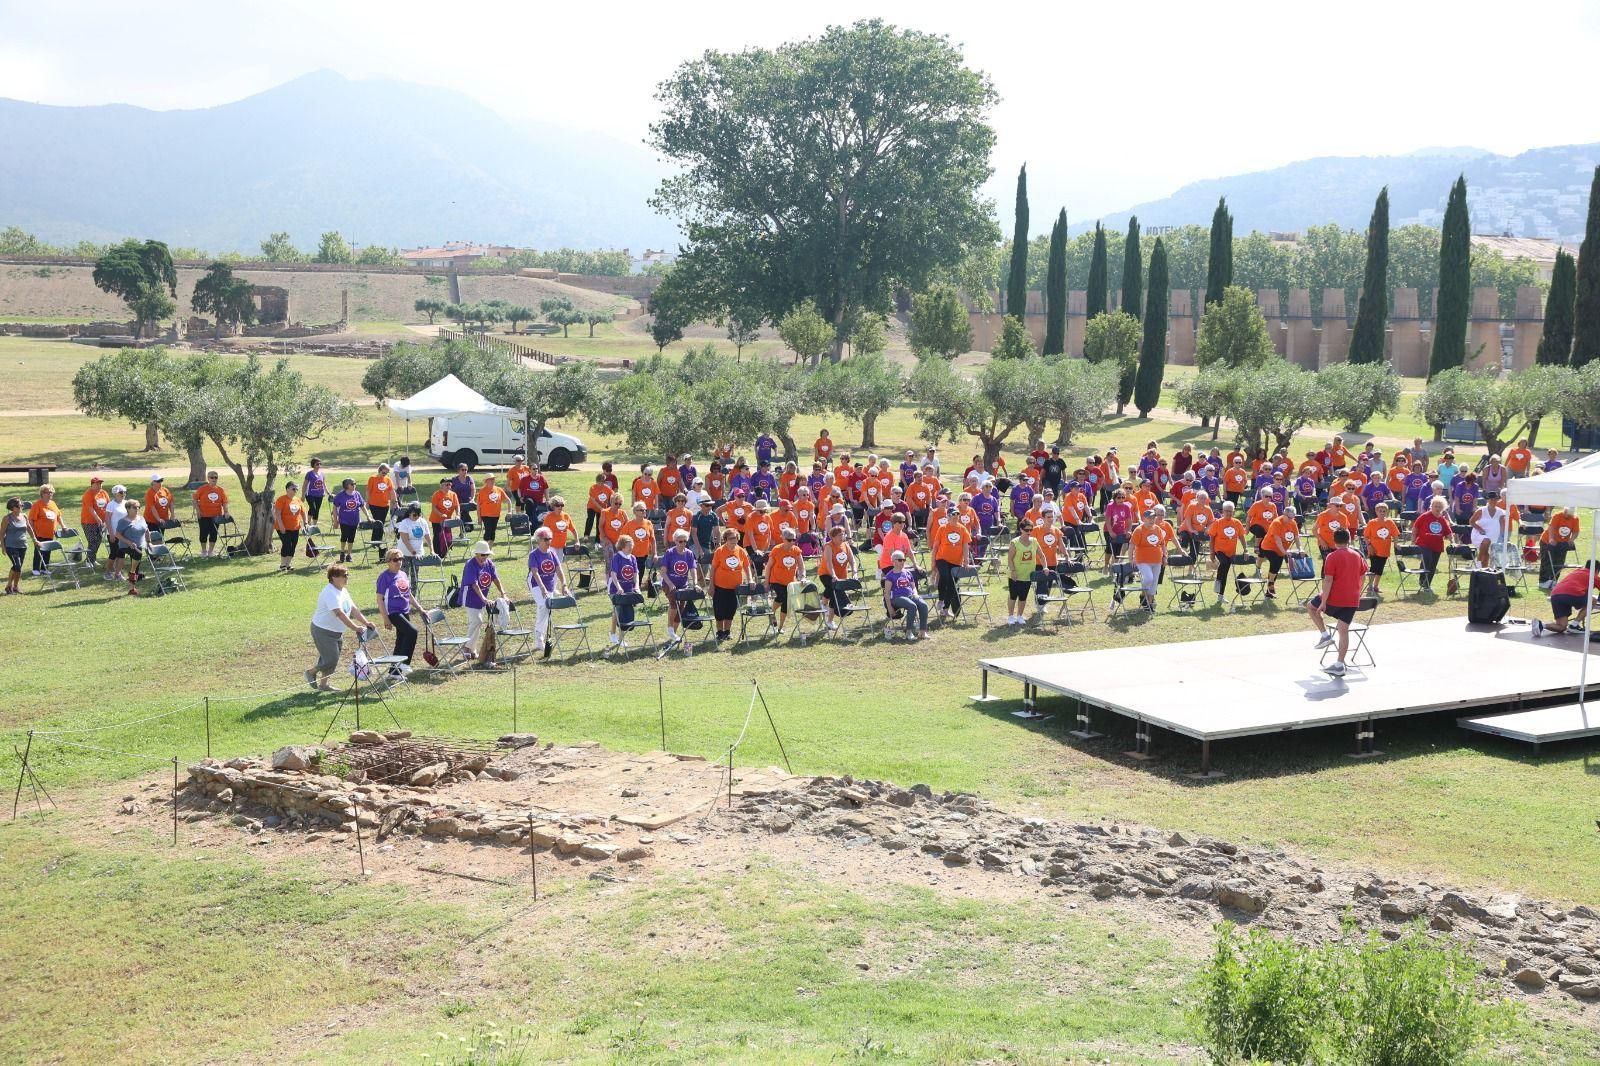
point(844, 524)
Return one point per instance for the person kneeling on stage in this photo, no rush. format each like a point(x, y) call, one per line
point(1570, 594)
point(1342, 572)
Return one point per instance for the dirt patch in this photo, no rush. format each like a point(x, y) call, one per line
point(584, 811)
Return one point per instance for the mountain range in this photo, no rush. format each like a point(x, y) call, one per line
point(383, 162)
point(1542, 192)
point(400, 164)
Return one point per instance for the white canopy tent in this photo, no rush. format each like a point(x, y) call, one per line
point(447, 397)
point(1576, 485)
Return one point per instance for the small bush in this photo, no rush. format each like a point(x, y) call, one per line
point(1416, 1002)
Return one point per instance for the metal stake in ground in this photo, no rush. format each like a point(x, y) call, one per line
point(34, 785)
point(774, 726)
point(17, 798)
point(361, 852)
point(174, 801)
point(533, 859)
point(513, 695)
point(208, 727)
point(661, 706)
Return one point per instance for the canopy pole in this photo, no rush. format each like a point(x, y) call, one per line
point(1588, 613)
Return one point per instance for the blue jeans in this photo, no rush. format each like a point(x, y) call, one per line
point(915, 610)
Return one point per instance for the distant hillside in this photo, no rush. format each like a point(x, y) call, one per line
point(1540, 193)
point(381, 161)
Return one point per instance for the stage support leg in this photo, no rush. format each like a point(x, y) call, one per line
point(983, 694)
point(1206, 772)
point(1085, 730)
point(1366, 739)
point(1141, 742)
point(1030, 704)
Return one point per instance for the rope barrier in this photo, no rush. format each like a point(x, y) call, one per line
point(117, 725)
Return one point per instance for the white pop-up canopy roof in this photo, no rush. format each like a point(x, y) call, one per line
point(445, 397)
point(1575, 485)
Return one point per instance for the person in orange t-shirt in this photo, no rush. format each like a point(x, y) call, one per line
point(1559, 536)
point(92, 518)
point(1227, 543)
point(669, 482)
point(1235, 480)
point(644, 488)
point(642, 533)
point(736, 512)
point(716, 482)
point(44, 521)
point(1329, 522)
point(952, 547)
point(1194, 524)
point(1149, 547)
point(822, 448)
point(210, 504)
point(730, 568)
point(784, 565)
point(157, 503)
point(760, 534)
point(1283, 537)
point(380, 497)
point(442, 507)
point(1260, 516)
point(805, 512)
point(1519, 460)
point(491, 504)
point(1381, 534)
point(288, 515)
point(560, 524)
point(600, 494)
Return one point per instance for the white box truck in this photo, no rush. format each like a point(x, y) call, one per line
point(489, 440)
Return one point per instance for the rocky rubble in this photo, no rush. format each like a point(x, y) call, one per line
point(297, 790)
point(1531, 944)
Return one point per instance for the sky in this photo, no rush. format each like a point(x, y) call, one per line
point(1109, 104)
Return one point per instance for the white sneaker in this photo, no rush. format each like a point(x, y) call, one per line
point(1325, 640)
point(1335, 668)
point(1537, 627)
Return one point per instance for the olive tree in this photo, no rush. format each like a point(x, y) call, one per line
point(1356, 392)
point(1114, 338)
point(990, 407)
point(1496, 402)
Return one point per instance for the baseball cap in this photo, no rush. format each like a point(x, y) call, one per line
point(97, 480)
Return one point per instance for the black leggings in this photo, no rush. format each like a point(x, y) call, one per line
point(379, 515)
point(591, 523)
point(314, 506)
point(405, 635)
point(947, 585)
point(208, 532)
point(489, 526)
point(1430, 565)
point(288, 539)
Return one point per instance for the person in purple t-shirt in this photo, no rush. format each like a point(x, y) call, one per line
point(763, 485)
point(900, 589)
point(680, 570)
point(478, 577)
point(1021, 496)
point(622, 584)
point(765, 447)
point(314, 487)
point(395, 601)
point(546, 579)
point(349, 508)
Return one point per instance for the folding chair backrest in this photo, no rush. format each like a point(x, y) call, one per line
point(434, 617)
point(1367, 603)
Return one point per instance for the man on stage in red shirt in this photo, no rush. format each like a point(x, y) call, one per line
point(1342, 572)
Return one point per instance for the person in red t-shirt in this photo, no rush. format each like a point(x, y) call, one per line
point(1571, 593)
point(1342, 572)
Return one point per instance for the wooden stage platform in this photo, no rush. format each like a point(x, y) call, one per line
point(1247, 686)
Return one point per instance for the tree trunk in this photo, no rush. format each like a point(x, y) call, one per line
point(1438, 434)
point(1533, 432)
point(258, 540)
point(991, 451)
point(869, 427)
point(1205, 421)
point(1035, 429)
point(1064, 434)
point(152, 437)
point(216, 330)
point(197, 462)
point(1216, 428)
point(791, 451)
point(1120, 408)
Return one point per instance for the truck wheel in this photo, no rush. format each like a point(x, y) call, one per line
point(448, 460)
point(468, 456)
point(560, 459)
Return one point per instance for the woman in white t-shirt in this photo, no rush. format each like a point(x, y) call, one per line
point(335, 613)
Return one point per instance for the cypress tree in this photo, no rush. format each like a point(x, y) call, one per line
point(1055, 289)
point(1555, 343)
point(1586, 306)
point(1132, 271)
point(1153, 348)
point(1372, 313)
point(1017, 281)
point(1453, 301)
point(1097, 297)
point(1219, 269)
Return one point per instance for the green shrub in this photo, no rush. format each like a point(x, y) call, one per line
point(1416, 1002)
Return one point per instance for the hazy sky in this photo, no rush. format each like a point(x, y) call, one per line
point(1110, 104)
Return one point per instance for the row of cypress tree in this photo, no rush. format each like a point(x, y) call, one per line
point(1571, 333)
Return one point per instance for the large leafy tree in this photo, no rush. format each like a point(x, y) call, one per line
point(140, 385)
point(1153, 348)
point(1113, 338)
point(1586, 305)
point(226, 298)
point(1366, 340)
point(1095, 299)
point(333, 248)
point(279, 248)
point(1017, 279)
point(1077, 394)
point(1234, 332)
point(1454, 302)
point(1355, 392)
point(830, 169)
point(1219, 265)
point(429, 306)
point(1506, 407)
point(1209, 395)
point(1055, 289)
point(862, 388)
point(1132, 271)
point(806, 333)
point(939, 324)
point(1555, 343)
point(257, 417)
point(950, 405)
point(140, 273)
point(1272, 403)
point(1259, 262)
